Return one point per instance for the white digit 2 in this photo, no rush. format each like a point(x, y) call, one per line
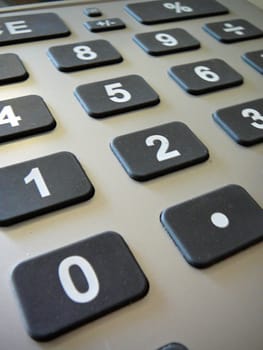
point(35, 175)
point(166, 39)
point(115, 89)
point(162, 153)
point(68, 285)
point(84, 52)
point(7, 116)
point(255, 115)
point(206, 74)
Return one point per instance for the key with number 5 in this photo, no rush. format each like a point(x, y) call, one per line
point(41, 185)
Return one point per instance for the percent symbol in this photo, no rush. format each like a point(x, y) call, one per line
point(177, 7)
point(231, 28)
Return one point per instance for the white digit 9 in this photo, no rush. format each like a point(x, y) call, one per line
point(166, 39)
point(162, 153)
point(115, 89)
point(68, 285)
point(84, 52)
point(255, 115)
point(206, 74)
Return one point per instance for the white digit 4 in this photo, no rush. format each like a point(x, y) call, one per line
point(206, 74)
point(166, 39)
point(255, 115)
point(35, 175)
point(7, 116)
point(115, 89)
point(68, 285)
point(84, 52)
point(162, 153)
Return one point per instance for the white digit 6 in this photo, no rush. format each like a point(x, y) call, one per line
point(84, 52)
point(255, 115)
point(162, 153)
point(206, 74)
point(68, 285)
point(115, 89)
point(166, 39)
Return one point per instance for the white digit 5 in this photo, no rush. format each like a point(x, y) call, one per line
point(115, 89)
point(255, 115)
point(7, 116)
point(162, 153)
point(68, 285)
point(166, 39)
point(35, 175)
point(206, 74)
point(84, 53)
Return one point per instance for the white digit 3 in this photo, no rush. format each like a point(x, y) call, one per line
point(162, 153)
point(84, 52)
point(255, 115)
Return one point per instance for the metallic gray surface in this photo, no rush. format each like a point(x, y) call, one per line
point(213, 309)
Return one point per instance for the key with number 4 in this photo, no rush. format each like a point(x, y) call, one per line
point(41, 185)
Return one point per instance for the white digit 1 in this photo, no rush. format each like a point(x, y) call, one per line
point(84, 52)
point(68, 285)
point(255, 115)
point(206, 74)
point(35, 175)
point(7, 116)
point(162, 153)
point(166, 39)
point(115, 89)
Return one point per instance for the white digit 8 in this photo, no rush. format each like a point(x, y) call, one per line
point(68, 285)
point(84, 52)
point(162, 153)
point(255, 115)
point(115, 89)
point(206, 74)
point(166, 39)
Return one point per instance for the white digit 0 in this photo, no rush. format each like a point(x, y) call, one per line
point(162, 153)
point(7, 116)
point(35, 175)
point(116, 89)
point(255, 115)
point(68, 285)
point(84, 53)
point(206, 74)
point(166, 39)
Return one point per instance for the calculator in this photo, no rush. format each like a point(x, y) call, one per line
point(131, 192)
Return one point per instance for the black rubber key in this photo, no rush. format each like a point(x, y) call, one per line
point(243, 122)
point(255, 59)
point(152, 12)
point(159, 150)
point(105, 25)
point(23, 28)
point(83, 55)
point(205, 76)
point(76, 284)
point(118, 95)
point(214, 226)
point(12, 69)
point(173, 346)
point(233, 30)
point(41, 185)
point(23, 116)
point(166, 41)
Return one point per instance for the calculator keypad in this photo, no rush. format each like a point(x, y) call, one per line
point(42, 185)
point(82, 282)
